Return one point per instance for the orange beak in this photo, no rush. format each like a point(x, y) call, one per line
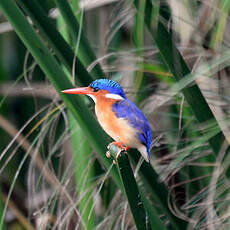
point(82, 90)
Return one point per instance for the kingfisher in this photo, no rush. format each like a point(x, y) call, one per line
point(120, 118)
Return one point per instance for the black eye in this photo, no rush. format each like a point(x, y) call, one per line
point(95, 89)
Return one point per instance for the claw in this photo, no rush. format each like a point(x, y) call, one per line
point(109, 145)
point(108, 155)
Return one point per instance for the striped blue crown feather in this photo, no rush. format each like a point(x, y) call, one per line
point(109, 85)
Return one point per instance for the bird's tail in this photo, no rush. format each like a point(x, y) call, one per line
point(143, 150)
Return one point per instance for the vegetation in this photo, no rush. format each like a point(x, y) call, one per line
point(172, 59)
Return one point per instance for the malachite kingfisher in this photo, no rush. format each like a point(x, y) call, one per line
point(118, 116)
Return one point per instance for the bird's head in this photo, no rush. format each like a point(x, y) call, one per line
point(100, 88)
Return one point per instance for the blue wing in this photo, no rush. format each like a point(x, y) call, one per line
point(129, 111)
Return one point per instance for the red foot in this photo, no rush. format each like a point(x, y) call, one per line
point(120, 145)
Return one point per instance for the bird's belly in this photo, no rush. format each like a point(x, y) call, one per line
point(118, 128)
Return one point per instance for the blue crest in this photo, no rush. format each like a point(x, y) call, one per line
point(109, 85)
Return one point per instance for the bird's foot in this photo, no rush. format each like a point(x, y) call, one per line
point(120, 146)
point(108, 154)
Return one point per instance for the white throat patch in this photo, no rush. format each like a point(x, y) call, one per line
point(114, 96)
point(94, 98)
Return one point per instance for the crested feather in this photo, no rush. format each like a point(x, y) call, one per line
point(129, 111)
point(104, 82)
point(109, 85)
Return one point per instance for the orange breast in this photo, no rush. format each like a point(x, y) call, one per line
point(117, 128)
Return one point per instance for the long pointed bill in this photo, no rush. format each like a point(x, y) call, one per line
point(82, 90)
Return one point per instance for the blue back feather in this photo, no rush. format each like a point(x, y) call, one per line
point(129, 111)
point(109, 85)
